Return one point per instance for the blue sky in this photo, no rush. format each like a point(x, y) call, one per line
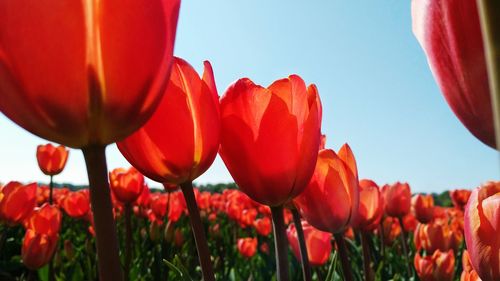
point(377, 91)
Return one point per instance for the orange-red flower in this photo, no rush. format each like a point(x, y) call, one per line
point(263, 226)
point(100, 83)
point(247, 246)
point(330, 201)
point(18, 201)
point(371, 206)
point(126, 185)
point(450, 34)
point(397, 199)
point(391, 229)
point(271, 163)
point(422, 207)
point(42, 232)
point(459, 197)
point(318, 243)
point(438, 267)
point(482, 225)
point(434, 236)
point(51, 159)
point(468, 273)
point(181, 140)
point(77, 204)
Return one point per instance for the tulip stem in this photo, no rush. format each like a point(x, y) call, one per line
point(199, 233)
point(51, 187)
point(405, 246)
point(128, 240)
point(104, 224)
point(381, 233)
point(280, 243)
point(306, 268)
point(489, 14)
point(344, 259)
point(366, 256)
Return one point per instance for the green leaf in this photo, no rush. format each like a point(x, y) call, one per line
point(43, 273)
point(178, 268)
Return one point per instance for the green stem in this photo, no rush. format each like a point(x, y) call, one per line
point(104, 224)
point(199, 233)
point(405, 246)
point(489, 14)
point(128, 240)
point(50, 273)
point(280, 243)
point(344, 259)
point(366, 256)
point(304, 257)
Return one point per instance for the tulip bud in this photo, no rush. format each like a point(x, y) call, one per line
point(459, 197)
point(17, 202)
point(247, 246)
point(37, 248)
point(422, 207)
point(481, 228)
point(318, 243)
point(438, 267)
point(263, 226)
point(397, 199)
point(371, 207)
point(51, 159)
point(126, 185)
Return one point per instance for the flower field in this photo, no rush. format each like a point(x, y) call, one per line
point(89, 74)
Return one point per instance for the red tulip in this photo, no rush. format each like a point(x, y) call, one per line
point(180, 141)
point(459, 197)
point(51, 159)
point(330, 201)
point(18, 201)
point(318, 243)
point(247, 246)
point(397, 199)
point(77, 204)
point(436, 236)
point(422, 207)
point(450, 34)
point(144, 198)
point(271, 163)
point(482, 225)
point(263, 226)
point(100, 83)
point(468, 273)
point(438, 267)
point(45, 220)
point(391, 229)
point(37, 249)
point(126, 185)
point(371, 206)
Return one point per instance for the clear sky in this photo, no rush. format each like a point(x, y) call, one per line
point(377, 91)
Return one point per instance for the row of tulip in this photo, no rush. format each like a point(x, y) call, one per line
point(236, 222)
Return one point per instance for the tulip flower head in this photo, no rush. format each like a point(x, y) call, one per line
point(450, 34)
point(180, 141)
point(371, 207)
point(468, 273)
point(331, 200)
point(126, 185)
point(51, 159)
point(18, 201)
point(481, 228)
point(318, 243)
point(397, 199)
point(422, 207)
point(459, 197)
point(439, 266)
point(77, 204)
point(271, 164)
point(247, 246)
point(100, 83)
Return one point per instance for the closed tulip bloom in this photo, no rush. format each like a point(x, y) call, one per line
point(422, 207)
point(51, 159)
point(126, 185)
point(397, 199)
point(481, 228)
point(330, 201)
point(468, 273)
point(271, 163)
point(45, 220)
point(263, 226)
point(37, 249)
point(438, 267)
point(318, 243)
point(18, 201)
point(77, 204)
point(436, 236)
point(247, 246)
point(181, 140)
point(459, 197)
point(392, 230)
point(371, 207)
point(450, 34)
point(100, 83)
